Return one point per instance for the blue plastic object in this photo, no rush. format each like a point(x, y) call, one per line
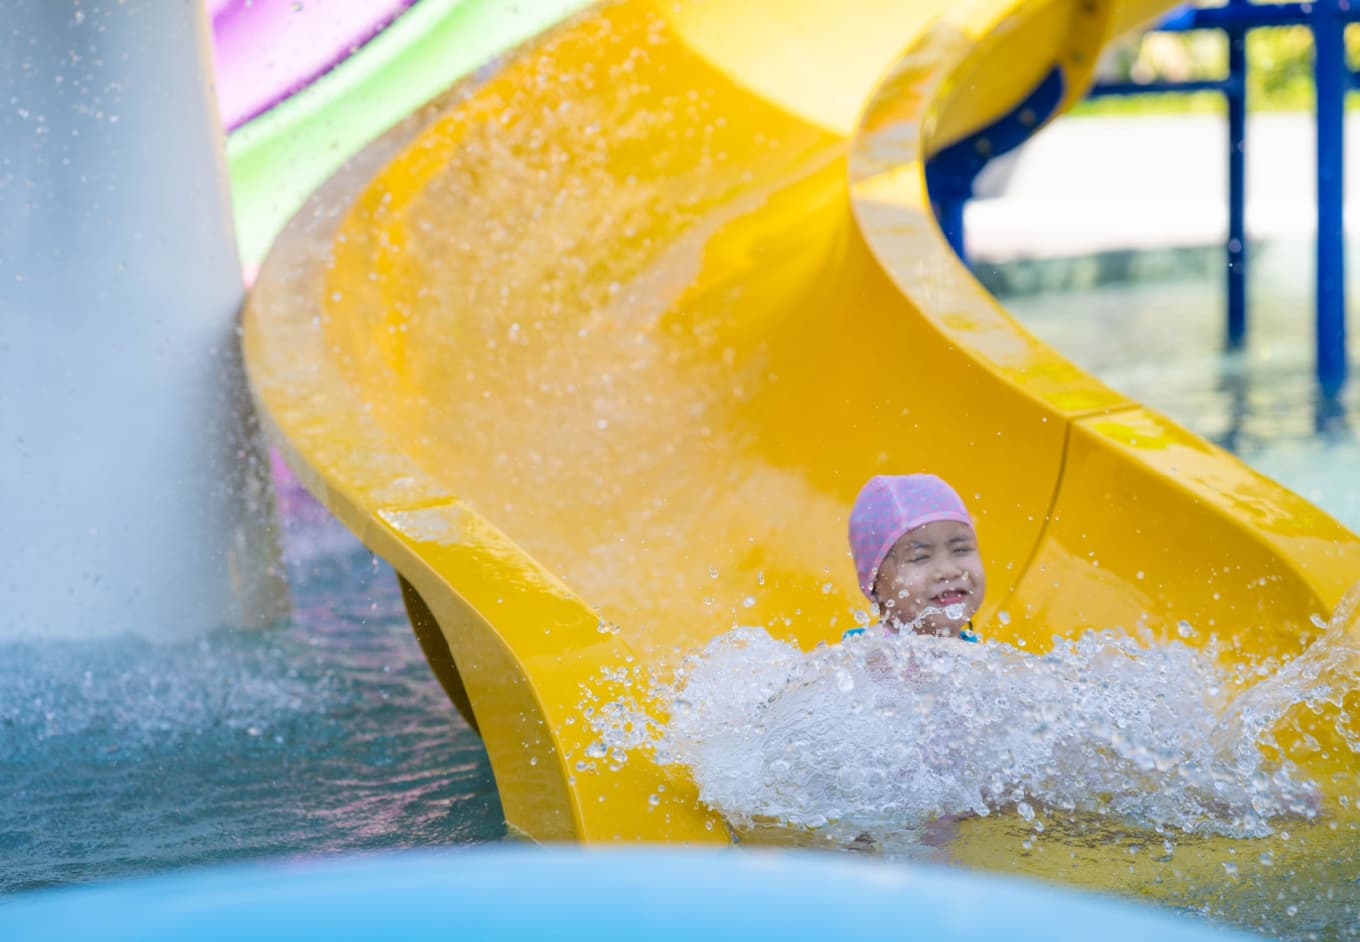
point(568, 894)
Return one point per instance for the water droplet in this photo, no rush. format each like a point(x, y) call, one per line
point(1003, 617)
point(1317, 620)
point(1185, 629)
point(596, 750)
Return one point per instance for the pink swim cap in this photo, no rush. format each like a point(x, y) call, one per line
point(888, 506)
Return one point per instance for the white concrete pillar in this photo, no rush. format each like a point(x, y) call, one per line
point(133, 491)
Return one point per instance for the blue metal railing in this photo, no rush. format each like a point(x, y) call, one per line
point(1333, 78)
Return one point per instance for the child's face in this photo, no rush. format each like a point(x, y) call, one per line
point(932, 567)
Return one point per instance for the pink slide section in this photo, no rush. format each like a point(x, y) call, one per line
point(268, 49)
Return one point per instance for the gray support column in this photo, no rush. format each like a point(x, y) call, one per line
point(133, 494)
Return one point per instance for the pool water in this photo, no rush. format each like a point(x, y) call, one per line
point(325, 735)
point(329, 734)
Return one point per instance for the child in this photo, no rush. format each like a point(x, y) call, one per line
point(916, 554)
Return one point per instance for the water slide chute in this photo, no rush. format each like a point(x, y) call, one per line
point(597, 348)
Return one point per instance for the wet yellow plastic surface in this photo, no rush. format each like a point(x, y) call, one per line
point(598, 352)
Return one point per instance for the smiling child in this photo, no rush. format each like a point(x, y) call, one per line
point(916, 554)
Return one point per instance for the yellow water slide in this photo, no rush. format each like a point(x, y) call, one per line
point(597, 349)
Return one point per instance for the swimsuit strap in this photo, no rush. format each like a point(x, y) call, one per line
point(968, 634)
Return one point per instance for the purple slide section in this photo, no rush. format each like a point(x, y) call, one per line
point(268, 49)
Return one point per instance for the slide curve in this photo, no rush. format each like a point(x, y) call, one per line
point(597, 348)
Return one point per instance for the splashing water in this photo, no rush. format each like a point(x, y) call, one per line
point(886, 733)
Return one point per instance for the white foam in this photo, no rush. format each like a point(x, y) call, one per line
point(889, 732)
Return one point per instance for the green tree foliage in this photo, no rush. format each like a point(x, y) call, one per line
point(1279, 70)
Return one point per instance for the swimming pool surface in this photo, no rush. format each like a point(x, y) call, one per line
point(328, 734)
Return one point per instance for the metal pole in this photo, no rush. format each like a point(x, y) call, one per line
point(134, 496)
point(1236, 94)
point(1332, 80)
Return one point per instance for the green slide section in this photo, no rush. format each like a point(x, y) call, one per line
point(276, 160)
